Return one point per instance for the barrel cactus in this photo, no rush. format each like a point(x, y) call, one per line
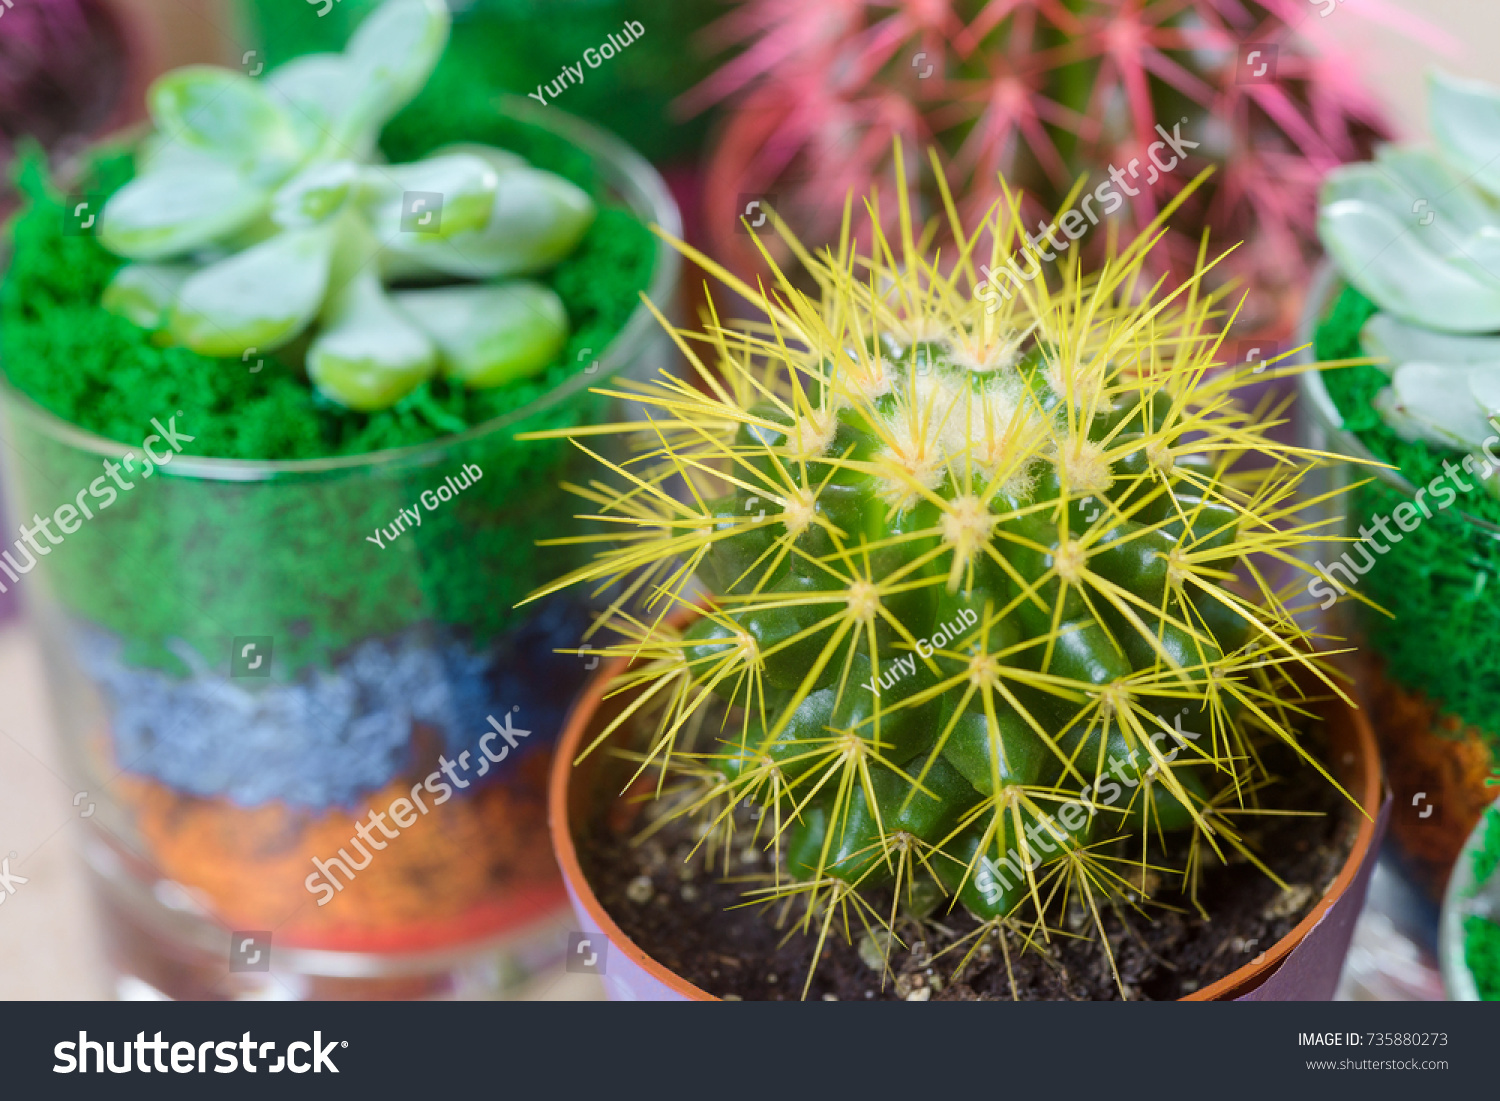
point(1418, 233)
point(980, 604)
point(261, 219)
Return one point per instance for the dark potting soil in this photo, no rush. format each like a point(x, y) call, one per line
point(691, 918)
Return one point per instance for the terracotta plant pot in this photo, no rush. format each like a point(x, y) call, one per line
point(1303, 966)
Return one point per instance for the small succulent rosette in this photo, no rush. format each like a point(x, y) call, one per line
point(1414, 307)
point(261, 658)
point(262, 216)
point(1417, 232)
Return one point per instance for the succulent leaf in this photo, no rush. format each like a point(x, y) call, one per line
point(158, 151)
point(319, 94)
point(391, 54)
point(467, 184)
point(1418, 233)
point(501, 160)
point(368, 355)
point(260, 298)
point(491, 335)
point(535, 220)
point(1480, 252)
point(143, 293)
point(1427, 183)
point(1484, 388)
point(1402, 274)
point(316, 194)
point(1434, 403)
point(179, 209)
point(1465, 116)
point(1393, 340)
point(229, 115)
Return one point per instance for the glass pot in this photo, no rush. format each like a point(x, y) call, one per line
point(1438, 760)
point(1471, 914)
point(314, 725)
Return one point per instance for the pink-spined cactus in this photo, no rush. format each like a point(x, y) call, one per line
point(1045, 92)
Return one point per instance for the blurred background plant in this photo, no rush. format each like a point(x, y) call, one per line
point(513, 45)
point(1417, 234)
point(1414, 285)
point(64, 69)
point(1044, 91)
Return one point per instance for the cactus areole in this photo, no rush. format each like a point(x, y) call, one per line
point(990, 611)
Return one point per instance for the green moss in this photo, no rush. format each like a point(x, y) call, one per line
point(1441, 580)
point(1482, 937)
point(1487, 856)
point(104, 374)
point(180, 558)
point(1353, 390)
point(1482, 954)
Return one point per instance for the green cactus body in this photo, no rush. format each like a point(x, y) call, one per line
point(984, 616)
point(900, 675)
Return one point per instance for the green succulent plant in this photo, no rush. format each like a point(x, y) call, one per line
point(1418, 233)
point(980, 614)
point(261, 218)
